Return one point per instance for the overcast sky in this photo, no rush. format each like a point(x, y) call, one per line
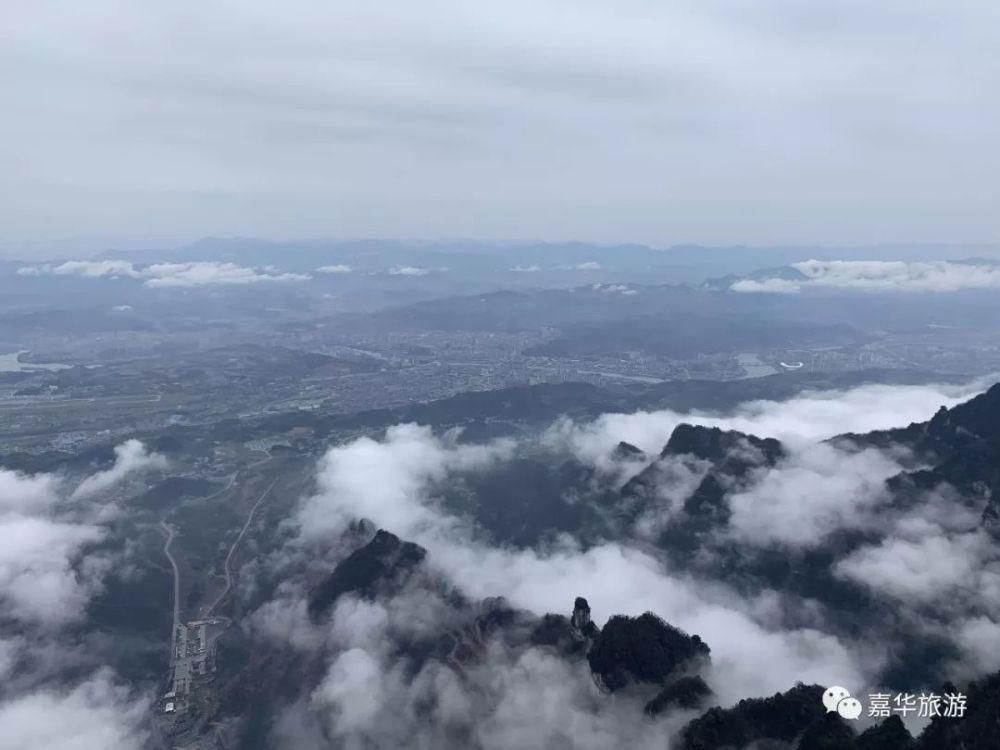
point(659, 121)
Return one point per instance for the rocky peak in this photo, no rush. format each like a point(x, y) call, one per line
point(715, 445)
point(573, 636)
point(643, 649)
point(581, 614)
point(385, 562)
point(626, 451)
point(731, 455)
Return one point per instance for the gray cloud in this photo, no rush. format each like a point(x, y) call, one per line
point(638, 121)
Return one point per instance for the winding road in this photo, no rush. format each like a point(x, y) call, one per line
point(232, 550)
point(177, 589)
point(171, 532)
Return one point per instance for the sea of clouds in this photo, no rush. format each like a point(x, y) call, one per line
point(761, 643)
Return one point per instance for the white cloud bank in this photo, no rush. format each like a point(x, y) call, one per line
point(41, 547)
point(878, 276)
point(336, 269)
point(814, 490)
point(39, 580)
point(810, 417)
point(95, 715)
point(419, 459)
point(49, 571)
point(190, 274)
point(615, 289)
point(408, 271)
point(46, 577)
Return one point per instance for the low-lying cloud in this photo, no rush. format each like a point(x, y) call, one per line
point(130, 457)
point(929, 569)
point(97, 713)
point(878, 276)
point(39, 582)
point(408, 271)
point(44, 578)
point(810, 417)
point(622, 289)
point(189, 274)
point(814, 491)
point(51, 566)
point(419, 458)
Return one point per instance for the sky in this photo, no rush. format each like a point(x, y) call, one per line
point(712, 121)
